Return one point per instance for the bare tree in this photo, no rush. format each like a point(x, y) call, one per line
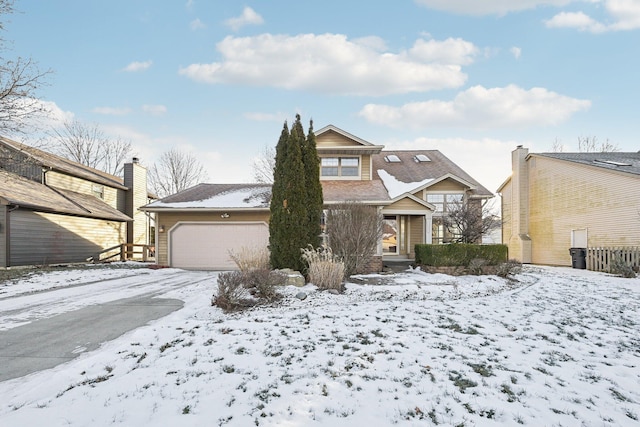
point(468, 220)
point(557, 147)
point(19, 81)
point(175, 171)
point(590, 144)
point(264, 165)
point(88, 144)
point(354, 231)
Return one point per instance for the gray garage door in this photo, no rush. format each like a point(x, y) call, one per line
point(206, 245)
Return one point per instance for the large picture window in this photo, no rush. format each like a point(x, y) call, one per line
point(339, 166)
point(444, 202)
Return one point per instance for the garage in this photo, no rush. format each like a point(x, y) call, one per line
point(206, 245)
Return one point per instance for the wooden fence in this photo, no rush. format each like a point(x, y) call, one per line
point(125, 251)
point(601, 259)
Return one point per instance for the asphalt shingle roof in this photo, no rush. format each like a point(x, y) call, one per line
point(618, 161)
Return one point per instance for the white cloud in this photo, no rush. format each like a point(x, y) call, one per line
point(516, 52)
point(112, 111)
point(478, 107)
point(248, 17)
point(197, 24)
point(624, 14)
point(156, 110)
point(137, 66)
point(489, 7)
point(334, 64)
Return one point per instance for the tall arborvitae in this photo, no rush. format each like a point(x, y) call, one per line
point(287, 226)
point(314, 189)
point(277, 241)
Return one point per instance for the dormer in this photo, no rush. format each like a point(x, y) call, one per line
point(344, 156)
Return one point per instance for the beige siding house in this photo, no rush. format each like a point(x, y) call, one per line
point(53, 210)
point(555, 201)
point(197, 227)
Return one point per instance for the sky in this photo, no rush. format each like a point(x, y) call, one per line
point(219, 78)
point(555, 346)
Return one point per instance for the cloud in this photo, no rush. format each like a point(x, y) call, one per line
point(248, 17)
point(488, 7)
point(156, 110)
point(516, 52)
point(482, 108)
point(112, 111)
point(197, 24)
point(333, 64)
point(625, 16)
point(137, 66)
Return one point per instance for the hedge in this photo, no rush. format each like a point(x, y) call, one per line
point(459, 254)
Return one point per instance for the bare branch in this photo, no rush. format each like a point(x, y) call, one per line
point(468, 220)
point(175, 171)
point(264, 165)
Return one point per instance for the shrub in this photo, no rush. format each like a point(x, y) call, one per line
point(232, 294)
point(250, 258)
point(326, 271)
point(476, 266)
point(262, 283)
point(459, 254)
point(508, 268)
point(621, 268)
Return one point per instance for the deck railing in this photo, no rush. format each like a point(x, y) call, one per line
point(601, 259)
point(125, 251)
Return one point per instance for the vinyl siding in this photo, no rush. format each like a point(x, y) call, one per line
point(565, 196)
point(111, 196)
point(416, 233)
point(404, 204)
point(445, 185)
point(365, 167)
point(334, 139)
point(169, 219)
point(62, 239)
point(136, 178)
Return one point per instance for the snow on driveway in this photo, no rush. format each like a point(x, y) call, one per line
point(556, 347)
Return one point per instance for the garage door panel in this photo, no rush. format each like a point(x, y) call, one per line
point(207, 245)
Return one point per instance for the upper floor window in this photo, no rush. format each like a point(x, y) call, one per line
point(339, 166)
point(444, 202)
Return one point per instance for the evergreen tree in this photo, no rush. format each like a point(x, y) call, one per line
point(314, 189)
point(287, 226)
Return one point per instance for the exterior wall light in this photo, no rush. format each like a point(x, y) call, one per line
point(224, 215)
point(161, 229)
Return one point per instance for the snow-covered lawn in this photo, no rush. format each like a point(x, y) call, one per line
point(557, 347)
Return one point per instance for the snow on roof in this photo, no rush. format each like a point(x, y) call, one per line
point(248, 197)
point(395, 187)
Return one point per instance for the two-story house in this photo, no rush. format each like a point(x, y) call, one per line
point(54, 210)
point(197, 227)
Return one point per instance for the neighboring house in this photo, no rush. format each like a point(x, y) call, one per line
point(53, 210)
point(556, 201)
point(197, 227)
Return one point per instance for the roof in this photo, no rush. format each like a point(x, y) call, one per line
point(616, 161)
point(418, 174)
point(63, 165)
point(32, 195)
point(216, 196)
point(371, 192)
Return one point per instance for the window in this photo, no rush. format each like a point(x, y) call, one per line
point(443, 202)
point(421, 158)
point(98, 191)
point(392, 158)
point(339, 166)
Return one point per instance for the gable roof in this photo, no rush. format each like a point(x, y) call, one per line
point(32, 195)
point(615, 161)
point(66, 166)
point(216, 196)
point(356, 145)
point(423, 173)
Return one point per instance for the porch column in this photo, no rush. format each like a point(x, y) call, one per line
point(428, 228)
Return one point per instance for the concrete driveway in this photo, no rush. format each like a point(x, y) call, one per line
point(54, 339)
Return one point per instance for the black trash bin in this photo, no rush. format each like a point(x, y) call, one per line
point(578, 258)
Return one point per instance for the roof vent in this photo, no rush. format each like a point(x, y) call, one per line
point(419, 158)
point(613, 163)
point(392, 158)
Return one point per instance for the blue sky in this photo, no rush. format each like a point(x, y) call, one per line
point(471, 78)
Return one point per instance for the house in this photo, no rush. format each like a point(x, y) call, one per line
point(53, 210)
point(556, 201)
point(197, 227)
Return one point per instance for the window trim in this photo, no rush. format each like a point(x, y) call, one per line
point(340, 176)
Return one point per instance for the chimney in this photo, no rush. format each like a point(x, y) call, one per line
point(135, 179)
point(520, 200)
